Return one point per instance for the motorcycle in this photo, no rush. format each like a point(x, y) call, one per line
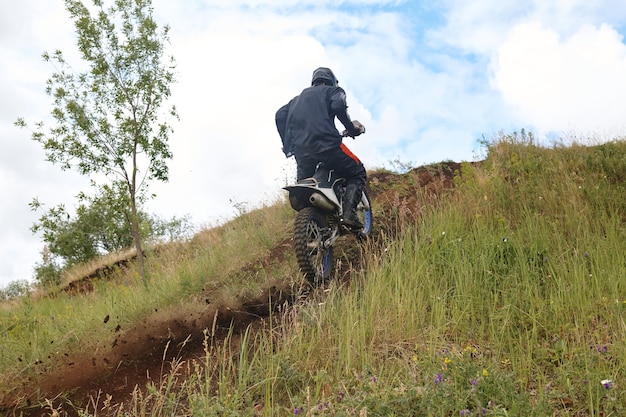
point(318, 224)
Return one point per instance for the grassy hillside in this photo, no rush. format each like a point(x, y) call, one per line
point(503, 295)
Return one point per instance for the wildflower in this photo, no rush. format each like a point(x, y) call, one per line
point(438, 378)
point(465, 412)
point(469, 349)
point(474, 382)
point(374, 379)
point(607, 383)
point(297, 411)
point(485, 373)
point(602, 348)
point(340, 396)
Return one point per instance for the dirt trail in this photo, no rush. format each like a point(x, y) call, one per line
point(137, 356)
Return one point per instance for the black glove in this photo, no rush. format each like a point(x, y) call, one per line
point(357, 129)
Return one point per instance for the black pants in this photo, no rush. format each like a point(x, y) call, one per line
point(341, 159)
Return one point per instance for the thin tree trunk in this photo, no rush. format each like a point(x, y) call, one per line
point(137, 237)
point(135, 216)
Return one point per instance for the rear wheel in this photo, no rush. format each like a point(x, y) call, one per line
point(314, 260)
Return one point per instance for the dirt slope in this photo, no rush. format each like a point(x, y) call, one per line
point(135, 356)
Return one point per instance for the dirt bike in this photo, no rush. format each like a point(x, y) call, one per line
point(319, 203)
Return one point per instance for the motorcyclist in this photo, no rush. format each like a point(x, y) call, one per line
point(306, 126)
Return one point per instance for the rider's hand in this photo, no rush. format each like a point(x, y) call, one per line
point(357, 130)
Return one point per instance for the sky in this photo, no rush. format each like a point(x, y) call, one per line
point(429, 79)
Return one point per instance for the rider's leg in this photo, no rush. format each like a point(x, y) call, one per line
point(347, 165)
point(306, 166)
point(350, 200)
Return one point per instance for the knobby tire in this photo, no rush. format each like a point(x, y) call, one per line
point(315, 261)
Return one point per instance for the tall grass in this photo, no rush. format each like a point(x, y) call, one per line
point(506, 297)
point(34, 331)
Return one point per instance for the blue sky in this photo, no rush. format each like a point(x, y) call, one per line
point(427, 78)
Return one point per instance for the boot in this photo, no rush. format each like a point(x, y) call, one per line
point(350, 200)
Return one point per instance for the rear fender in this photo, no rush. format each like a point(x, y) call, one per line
point(302, 195)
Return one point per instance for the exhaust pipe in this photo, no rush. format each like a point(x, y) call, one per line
point(322, 202)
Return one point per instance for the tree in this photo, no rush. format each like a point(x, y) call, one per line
point(15, 289)
point(108, 118)
point(48, 272)
point(101, 225)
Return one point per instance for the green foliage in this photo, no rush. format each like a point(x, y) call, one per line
point(109, 114)
point(48, 273)
point(14, 290)
point(100, 226)
point(108, 118)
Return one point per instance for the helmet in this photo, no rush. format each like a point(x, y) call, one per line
point(324, 74)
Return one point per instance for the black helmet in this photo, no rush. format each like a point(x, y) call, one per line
point(324, 75)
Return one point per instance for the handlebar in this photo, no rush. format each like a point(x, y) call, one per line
point(356, 124)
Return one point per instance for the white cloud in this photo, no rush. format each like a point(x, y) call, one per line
point(423, 92)
point(562, 83)
point(479, 26)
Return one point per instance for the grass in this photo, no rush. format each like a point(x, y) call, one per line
point(35, 329)
point(504, 297)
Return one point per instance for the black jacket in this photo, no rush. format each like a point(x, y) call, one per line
point(306, 124)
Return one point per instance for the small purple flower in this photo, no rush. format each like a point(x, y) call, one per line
point(607, 383)
point(340, 396)
point(438, 378)
point(297, 411)
point(465, 413)
point(602, 348)
point(374, 379)
point(474, 382)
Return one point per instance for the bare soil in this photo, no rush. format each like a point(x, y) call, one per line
point(134, 357)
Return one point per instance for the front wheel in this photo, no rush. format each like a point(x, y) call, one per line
point(315, 261)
